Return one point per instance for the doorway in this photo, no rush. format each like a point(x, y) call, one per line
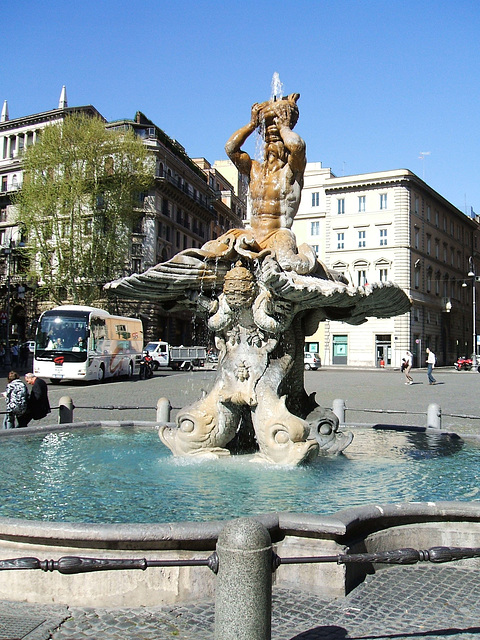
point(383, 350)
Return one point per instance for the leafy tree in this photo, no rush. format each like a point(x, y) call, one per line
point(81, 194)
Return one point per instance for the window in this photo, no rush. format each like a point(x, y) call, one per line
point(361, 238)
point(341, 240)
point(362, 277)
point(416, 237)
point(429, 280)
point(383, 201)
point(361, 203)
point(383, 237)
point(417, 278)
point(341, 206)
point(437, 249)
point(429, 244)
point(315, 248)
point(383, 275)
point(315, 228)
point(428, 213)
point(136, 265)
point(415, 208)
point(315, 199)
point(445, 286)
point(4, 183)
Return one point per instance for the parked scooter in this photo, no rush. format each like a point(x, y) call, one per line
point(463, 364)
point(146, 366)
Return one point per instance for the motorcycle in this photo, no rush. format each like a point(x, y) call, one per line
point(463, 364)
point(146, 367)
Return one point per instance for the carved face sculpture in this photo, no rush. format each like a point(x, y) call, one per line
point(239, 288)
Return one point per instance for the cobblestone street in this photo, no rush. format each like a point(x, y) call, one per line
point(431, 602)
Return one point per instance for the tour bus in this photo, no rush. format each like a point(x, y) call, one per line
point(84, 343)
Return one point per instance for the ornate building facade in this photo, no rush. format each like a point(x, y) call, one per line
point(391, 226)
point(189, 203)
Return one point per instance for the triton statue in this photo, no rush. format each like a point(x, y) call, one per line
point(261, 295)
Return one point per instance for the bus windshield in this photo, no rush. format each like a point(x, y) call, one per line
point(62, 332)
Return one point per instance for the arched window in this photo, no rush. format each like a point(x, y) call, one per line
point(429, 279)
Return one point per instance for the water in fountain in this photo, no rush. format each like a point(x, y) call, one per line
point(126, 475)
point(277, 88)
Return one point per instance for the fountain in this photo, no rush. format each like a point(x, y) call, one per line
point(261, 294)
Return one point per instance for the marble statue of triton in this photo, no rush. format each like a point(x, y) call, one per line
point(260, 295)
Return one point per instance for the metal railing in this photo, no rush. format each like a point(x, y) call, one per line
point(163, 410)
point(244, 563)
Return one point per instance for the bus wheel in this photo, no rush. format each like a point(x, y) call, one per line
point(54, 380)
point(101, 374)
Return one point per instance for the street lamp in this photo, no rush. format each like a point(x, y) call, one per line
point(473, 275)
point(7, 252)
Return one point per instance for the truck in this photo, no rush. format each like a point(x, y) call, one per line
point(184, 358)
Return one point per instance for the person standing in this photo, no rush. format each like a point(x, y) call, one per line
point(24, 352)
point(407, 365)
point(16, 399)
point(14, 354)
point(431, 361)
point(38, 405)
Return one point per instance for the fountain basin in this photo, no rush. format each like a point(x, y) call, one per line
point(371, 525)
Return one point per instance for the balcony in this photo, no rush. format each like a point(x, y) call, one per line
point(184, 192)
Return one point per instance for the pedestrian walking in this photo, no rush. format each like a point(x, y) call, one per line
point(407, 365)
point(16, 399)
point(24, 352)
point(38, 405)
point(14, 355)
point(431, 361)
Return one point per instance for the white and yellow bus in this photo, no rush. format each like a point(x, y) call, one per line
point(83, 343)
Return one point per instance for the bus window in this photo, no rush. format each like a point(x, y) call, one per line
point(60, 333)
point(98, 333)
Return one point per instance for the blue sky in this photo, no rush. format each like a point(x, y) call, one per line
point(380, 81)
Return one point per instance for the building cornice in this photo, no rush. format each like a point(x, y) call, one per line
point(399, 177)
point(47, 116)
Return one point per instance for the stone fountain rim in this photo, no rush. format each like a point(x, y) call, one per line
point(347, 522)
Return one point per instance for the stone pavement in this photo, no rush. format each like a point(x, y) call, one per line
point(424, 601)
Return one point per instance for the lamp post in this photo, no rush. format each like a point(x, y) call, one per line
point(473, 275)
point(7, 252)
